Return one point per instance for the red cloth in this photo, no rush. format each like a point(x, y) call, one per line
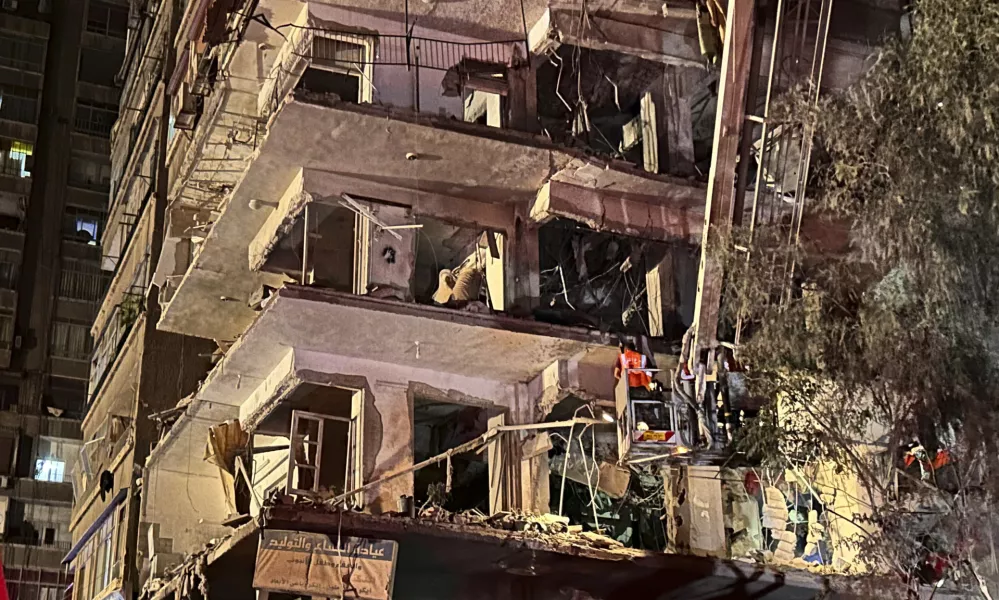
point(3, 584)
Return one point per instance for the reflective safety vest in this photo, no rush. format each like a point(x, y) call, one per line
point(632, 360)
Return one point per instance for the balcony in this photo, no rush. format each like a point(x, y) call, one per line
point(116, 328)
point(16, 554)
point(456, 155)
point(114, 438)
point(31, 490)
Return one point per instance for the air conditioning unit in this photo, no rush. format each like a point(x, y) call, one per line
point(185, 109)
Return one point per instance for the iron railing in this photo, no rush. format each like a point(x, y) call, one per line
point(23, 54)
point(87, 283)
point(95, 119)
point(129, 222)
point(341, 47)
point(123, 316)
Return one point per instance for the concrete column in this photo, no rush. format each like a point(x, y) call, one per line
point(40, 264)
point(393, 414)
point(522, 99)
point(524, 278)
point(701, 524)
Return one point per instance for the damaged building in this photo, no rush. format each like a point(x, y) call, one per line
point(372, 263)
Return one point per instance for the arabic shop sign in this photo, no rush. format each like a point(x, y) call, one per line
point(323, 565)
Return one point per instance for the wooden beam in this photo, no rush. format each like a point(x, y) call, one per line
point(718, 210)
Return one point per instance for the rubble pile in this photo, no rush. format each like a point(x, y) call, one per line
point(549, 528)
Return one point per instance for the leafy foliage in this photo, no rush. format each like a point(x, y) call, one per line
point(897, 338)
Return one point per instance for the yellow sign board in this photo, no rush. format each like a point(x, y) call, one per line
point(323, 565)
point(653, 436)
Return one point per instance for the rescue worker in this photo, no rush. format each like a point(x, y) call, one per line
point(639, 380)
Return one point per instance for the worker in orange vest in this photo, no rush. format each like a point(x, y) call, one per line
point(634, 362)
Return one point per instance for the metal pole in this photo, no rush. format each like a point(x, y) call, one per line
point(305, 246)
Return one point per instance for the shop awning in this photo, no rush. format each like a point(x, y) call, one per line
point(89, 533)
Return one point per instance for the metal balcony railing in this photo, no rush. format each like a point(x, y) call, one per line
point(129, 221)
point(116, 328)
point(84, 283)
point(411, 51)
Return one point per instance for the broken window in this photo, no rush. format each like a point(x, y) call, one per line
point(310, 443)
point(462, 483)
point(590, 96)
point(328, 261)
point(341, 66)
point(458, 266)
point(601, 280)
point(622, 106)
point(352, 244)
point(321, 451)
point(485, 90)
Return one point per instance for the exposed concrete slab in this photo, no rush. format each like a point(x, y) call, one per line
point(667, 40)
point(350, 146)
point(677, 215)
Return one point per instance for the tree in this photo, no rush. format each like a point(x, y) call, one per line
point(896, 339)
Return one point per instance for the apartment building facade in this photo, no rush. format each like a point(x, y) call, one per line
point(368, 261)
point(58, 63)
point(135, 370)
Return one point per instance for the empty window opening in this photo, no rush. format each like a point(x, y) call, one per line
point(344, 86)
point(438, 427)
point(340, 67)
point(309, 443)
point(458, 266)
point(484, 108)
point(598, 279)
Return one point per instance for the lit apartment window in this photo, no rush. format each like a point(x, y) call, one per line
point(18, 103)
point(14, 157)
point(48, 469)
point(83, 225)
point(95, 118)
point(21, 53)
point(107, 19)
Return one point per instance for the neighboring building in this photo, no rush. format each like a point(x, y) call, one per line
point(58, 100)
point(135, 370)
point(409, 234)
